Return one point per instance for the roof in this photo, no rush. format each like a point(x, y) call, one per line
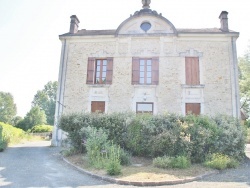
point(146, 11)
point(203, 30)
point(85, 32)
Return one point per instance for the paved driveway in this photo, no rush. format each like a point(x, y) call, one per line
point(38, 165)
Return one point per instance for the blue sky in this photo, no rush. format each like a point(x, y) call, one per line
point(29, 29)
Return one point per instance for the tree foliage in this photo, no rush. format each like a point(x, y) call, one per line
point(46, 100)
point(244, 81)
point(7, 107)
point(35, 116)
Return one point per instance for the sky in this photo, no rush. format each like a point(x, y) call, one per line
point(30, 47)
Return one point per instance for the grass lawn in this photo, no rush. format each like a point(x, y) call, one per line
point(142, 170)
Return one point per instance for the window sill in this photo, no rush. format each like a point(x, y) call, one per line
point(192, 86)
point(147, 86)
point(99, 85)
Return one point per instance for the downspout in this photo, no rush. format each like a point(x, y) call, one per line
point(236, 83)
point(58, 104)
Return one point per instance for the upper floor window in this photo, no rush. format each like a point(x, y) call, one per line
point(192, 71)
point(100, 71)
point(145, 71)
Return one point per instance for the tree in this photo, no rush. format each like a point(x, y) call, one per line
point(7, 107)
point(16, 120)
point(35, 116)
point(244, 81)
point(46, 100)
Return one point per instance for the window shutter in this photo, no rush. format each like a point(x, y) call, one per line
point(155, 71)
point(196, 72)
point(192, 71)
point(194, 108)
point(135, 70)
point(98, 106)
point(109, 70)
point(90, 70)
point(188, 62)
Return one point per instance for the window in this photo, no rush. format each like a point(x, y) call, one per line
point(192, 71)
point(193, 108)
point(145, 71)
point(97, 106)
point(145, 26)
point(144, 108)
point(100, 71)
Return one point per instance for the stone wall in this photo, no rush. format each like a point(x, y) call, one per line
point(215, 93)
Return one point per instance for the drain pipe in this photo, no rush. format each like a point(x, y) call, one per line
point(59, 94)
point(236, 82)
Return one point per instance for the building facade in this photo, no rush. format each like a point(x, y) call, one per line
point(147, 65)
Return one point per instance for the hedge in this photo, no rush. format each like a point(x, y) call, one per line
point(10, 134)
point(41, 129)
point(162, 135)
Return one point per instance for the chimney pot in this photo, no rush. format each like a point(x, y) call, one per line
point(74, 24)
point(224, 21)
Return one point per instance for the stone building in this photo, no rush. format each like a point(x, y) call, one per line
point(147, 65)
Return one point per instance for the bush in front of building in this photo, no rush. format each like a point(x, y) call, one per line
point(181, 162)
point(220, 161)
point(231, 137)
point(101, 153)
point(163, 135)
point(114, 124)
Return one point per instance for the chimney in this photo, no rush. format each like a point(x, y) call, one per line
point(74, 24)
point(224, 21)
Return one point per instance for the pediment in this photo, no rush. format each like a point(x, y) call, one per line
point(149, 22)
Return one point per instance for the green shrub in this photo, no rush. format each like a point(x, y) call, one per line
point(12, 135)
point(97, 146)
point(180, 162)
point(203, 133)
point(113, 165)
point(101, 153)
point(114, 124)
point(220, 161)
point(162, 162)
point(247, 123)
point(231, 137)
point(233, 163)
point(41, 129)
point(3, 143)
point(170, 134)
point(164, 144)
point(125, 157)
point(134, 137)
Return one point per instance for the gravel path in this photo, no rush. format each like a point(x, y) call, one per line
point(36, 164)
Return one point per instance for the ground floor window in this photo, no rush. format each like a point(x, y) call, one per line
point(193, 108)
point(142, 107)
point(97, 106)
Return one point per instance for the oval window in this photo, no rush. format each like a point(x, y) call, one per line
point(145, 26)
